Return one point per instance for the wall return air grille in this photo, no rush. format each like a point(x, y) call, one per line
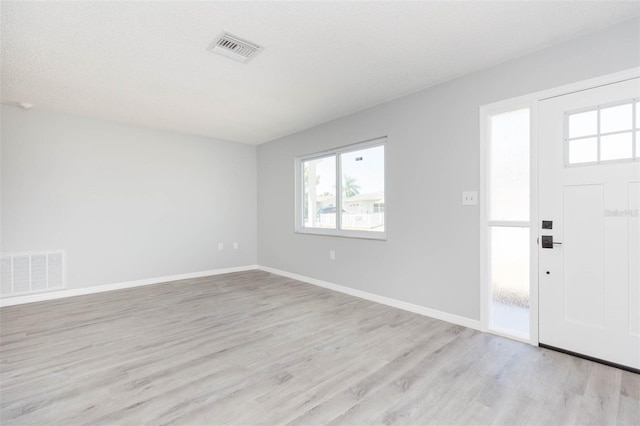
point(33, 272)
point(234, 47)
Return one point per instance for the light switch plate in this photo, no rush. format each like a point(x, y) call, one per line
point(470, 198)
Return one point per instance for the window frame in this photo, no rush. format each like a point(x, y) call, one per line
point(299, 189)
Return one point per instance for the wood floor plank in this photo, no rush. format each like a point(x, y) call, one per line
point(256, 348)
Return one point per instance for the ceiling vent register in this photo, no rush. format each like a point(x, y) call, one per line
point(234, 47)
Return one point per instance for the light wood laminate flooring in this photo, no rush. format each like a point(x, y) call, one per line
point(256, 348)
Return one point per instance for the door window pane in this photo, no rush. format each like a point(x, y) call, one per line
point(583, 150)
point(616, 147)
point(319, 188)
point(583, 124)
point(612, 138)
point(510, 279)
point(616, 118)
point(363, 189)
point(509, 166)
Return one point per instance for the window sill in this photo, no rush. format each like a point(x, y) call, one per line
point(362, 235)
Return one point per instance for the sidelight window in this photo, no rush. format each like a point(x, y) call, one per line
point(508, 222)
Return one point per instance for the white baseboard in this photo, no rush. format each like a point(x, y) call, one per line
point(40, 297)
point(421, 310)
point(417, 309)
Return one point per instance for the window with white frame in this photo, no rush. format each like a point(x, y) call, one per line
point(508, 221)
point(342, 191)
point(603, 133)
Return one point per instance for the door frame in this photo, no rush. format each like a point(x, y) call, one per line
point(530, 101)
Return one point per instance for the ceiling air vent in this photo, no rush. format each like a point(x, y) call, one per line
point(234, 47)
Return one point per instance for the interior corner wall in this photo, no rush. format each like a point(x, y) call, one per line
point(124, 202)
point(431, 257)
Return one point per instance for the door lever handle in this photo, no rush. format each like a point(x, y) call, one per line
point(548, 243)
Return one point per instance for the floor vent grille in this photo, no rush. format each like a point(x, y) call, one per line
point(34, 272)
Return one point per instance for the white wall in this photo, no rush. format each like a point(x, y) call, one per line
point(126, 203)
point(431, 257)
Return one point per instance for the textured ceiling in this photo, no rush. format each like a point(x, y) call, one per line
point(146, 63)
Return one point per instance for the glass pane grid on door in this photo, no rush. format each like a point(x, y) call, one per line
point(602, 134)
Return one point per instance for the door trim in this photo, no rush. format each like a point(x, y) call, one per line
point(527, 101)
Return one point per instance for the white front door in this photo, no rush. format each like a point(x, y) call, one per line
point(589, 194)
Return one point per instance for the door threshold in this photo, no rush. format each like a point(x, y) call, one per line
point(590, 358)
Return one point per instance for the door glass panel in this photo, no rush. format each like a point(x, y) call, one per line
point(583, 124)
point(616, 147)
point(510, 279)
point(583, 150)
point(637, 115)
point(509, 166)
point(615, 119)
point(601, 134)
